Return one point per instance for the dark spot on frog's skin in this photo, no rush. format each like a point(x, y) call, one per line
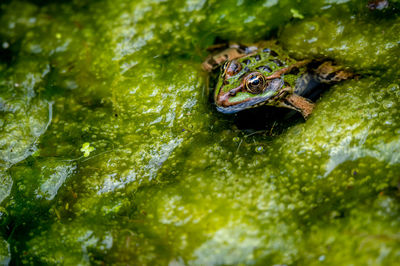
point(226, 82)
point(264, 68)
point(278, 62)
point(246, 62)
point(246, 69)
point(271, 52)
point(232, 93)
point(257, 57)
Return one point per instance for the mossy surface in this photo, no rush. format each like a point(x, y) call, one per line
point(111, 153)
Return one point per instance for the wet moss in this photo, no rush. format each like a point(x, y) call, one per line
point(169, 180)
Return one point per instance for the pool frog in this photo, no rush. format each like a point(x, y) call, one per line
point(263, 74)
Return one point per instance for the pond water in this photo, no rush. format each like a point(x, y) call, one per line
point(111, 152)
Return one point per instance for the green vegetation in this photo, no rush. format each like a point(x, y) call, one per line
point(110, 151)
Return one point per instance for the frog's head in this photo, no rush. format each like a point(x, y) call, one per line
point(251, 81)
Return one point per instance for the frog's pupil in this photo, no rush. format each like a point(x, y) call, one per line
point(255, 81)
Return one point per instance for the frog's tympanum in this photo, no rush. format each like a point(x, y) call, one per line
point(263, 74)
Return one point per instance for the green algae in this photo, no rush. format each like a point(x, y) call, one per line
point(169, 179)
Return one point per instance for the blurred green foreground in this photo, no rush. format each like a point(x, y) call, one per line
point(111, 153)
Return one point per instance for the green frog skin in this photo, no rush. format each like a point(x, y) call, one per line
point(263, 74)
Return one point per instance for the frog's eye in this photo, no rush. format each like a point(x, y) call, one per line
point(255, 83)
point(231, 68)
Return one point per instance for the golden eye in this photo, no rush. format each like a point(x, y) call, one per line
point(231, 68)
point(255, 83)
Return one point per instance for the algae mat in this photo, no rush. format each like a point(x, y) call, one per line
point(111, 152)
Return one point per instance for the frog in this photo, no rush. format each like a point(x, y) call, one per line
point(263, 74)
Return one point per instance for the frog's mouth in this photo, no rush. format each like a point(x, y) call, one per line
point(268, 96)
point(244, 105)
